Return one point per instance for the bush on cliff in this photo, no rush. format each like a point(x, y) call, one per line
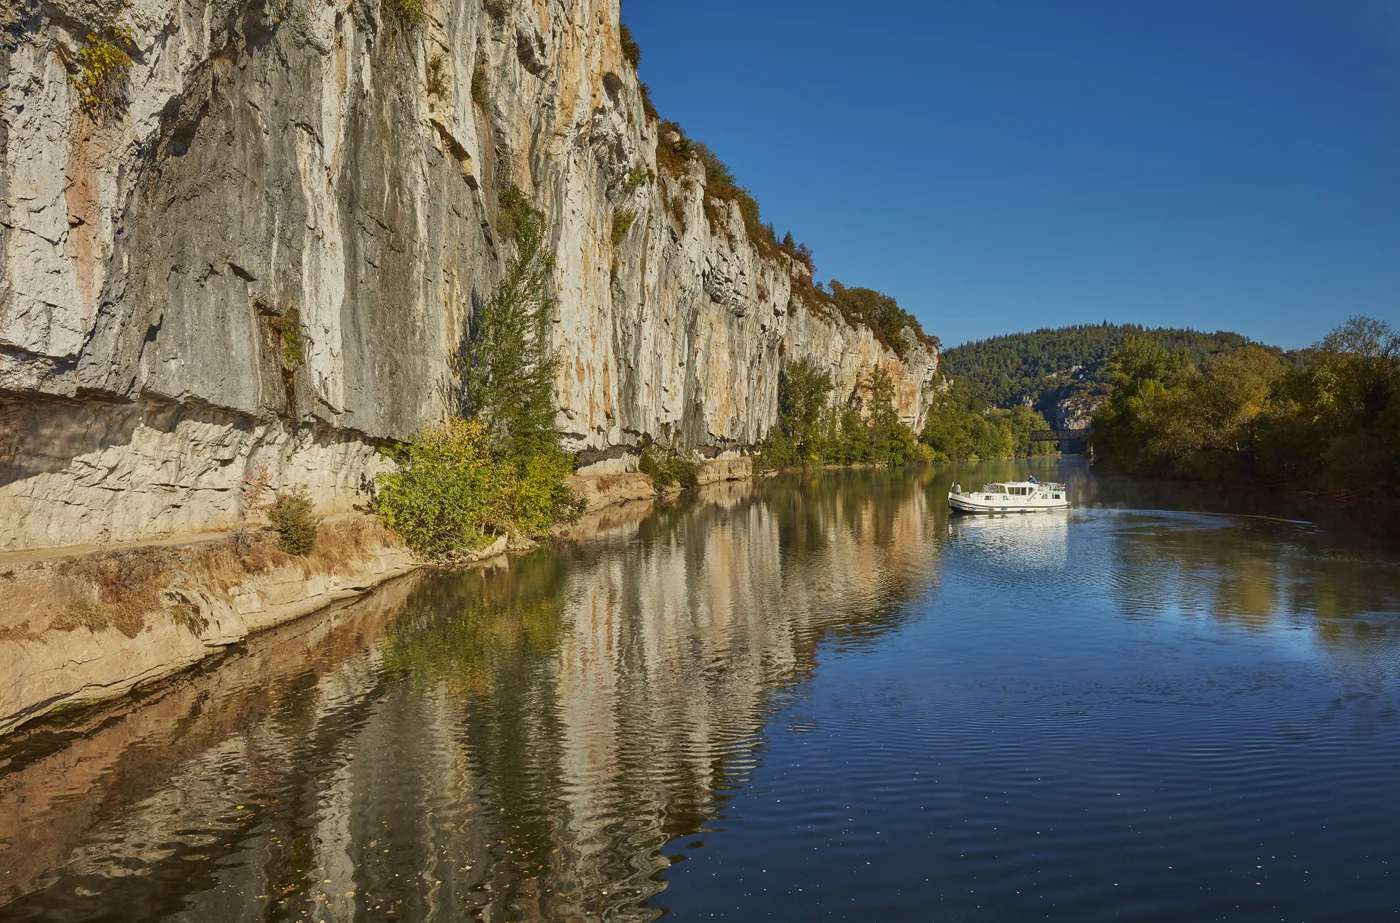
point(293, 517)
point(411, 13)
point(631, 51)
point(103, 65)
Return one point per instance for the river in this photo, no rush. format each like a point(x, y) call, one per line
point(817, 697)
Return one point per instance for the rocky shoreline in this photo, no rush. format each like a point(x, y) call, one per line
point(79, 631)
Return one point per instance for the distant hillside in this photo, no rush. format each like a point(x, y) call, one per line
point(1050, 365)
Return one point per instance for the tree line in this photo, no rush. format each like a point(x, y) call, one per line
point(812, 429)
point(1045, 366)
point(1328, 416)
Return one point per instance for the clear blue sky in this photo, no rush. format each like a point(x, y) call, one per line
point(1002, 165)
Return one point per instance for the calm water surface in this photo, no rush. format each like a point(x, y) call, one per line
point(817, 698)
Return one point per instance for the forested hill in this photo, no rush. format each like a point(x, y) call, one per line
point(1051, 364)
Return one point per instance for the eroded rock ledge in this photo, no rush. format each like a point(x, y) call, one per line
point(85, 628)
point(82, 628)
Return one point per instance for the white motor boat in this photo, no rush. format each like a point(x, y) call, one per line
point(1009, 497)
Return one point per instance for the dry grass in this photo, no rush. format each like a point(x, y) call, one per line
point(113, 591)
point(20, 632)
point(119, 590)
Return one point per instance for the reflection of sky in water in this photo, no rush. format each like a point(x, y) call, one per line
point(1028, 543)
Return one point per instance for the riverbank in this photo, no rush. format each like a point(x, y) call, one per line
point(79, 629)
point(82, 625)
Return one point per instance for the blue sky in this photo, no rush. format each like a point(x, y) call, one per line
point(1002, 165)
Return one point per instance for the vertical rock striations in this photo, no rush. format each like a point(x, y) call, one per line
point(264, 244)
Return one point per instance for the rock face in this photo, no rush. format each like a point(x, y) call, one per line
point(267, 251)
point(1077, 411)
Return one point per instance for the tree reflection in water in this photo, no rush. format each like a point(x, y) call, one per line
point(1252, 572)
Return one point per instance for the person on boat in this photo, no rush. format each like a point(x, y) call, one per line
point(1033, 480)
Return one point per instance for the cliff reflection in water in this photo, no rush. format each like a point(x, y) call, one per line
point(519, 744)
point(605, 703)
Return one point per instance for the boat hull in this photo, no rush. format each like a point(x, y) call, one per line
point(962, 503)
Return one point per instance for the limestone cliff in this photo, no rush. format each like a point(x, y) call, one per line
point(268, 248)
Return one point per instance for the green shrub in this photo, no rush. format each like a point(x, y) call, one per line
point(293, 517)
point(622, 221)
point(667, 466)
point(479, 84)
point(537, 496)
point(777, 452)
point(103, 65)
point(635, 179)
point(448, 493)
point(652, 467)
point(497, 8)
point(452, 494)
point(409, 12)
point(648, 107)
point(514, 213)
point(437, 75)
point(288, 329)
point(631, 51)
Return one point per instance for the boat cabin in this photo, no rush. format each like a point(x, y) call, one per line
point(1024, 489)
